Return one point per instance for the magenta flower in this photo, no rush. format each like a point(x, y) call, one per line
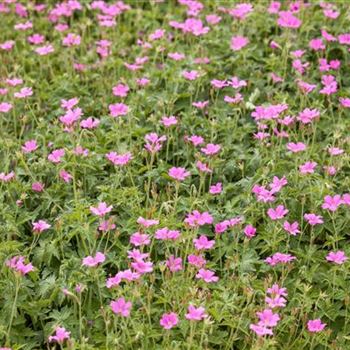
point(121, 307)
point(40, 226)
point(308, 168)
point(65, 176)
point(154, 142)
point(44, 50)
point(250, 231)
point(119, 159)
point(196, 260)
point(308, 115)
point(169, 121)
point(120, 90)
point(140, 239)
point(7, 177)
point(174, 264)
point(101, 210)
point(195, 314)
point(296, 147)
point(216, 189)
point(315, 326)
point(286, 19)
point(178, 174)
point(207, 275)
point(260, 330)
point(89, 123)
point(91, 261)
point(169, 320)
point(203, 243)
point(313, 219)
point(118, 109)
point(211, 149)
point(61, 334)
point(332, 203)
point(56, 155)
point(267, 318)
point(277, 213)
point(29, 146)
point(17, 264)
point(196, 219)
point(142, 267)
point(190, 75)
point(292, 229)
point(147, 222)
point(279, 258)
point(37, 186)
point(238, 42)
point(338, 257)
point(166, 234)
point(5, 107)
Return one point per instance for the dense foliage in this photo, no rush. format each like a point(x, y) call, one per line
point(174, 175)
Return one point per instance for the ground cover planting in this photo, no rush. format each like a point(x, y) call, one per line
point(174, 175)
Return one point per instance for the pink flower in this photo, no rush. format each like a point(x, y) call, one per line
point(296, 147)
point(140, 239)
point(195, 140)
point(267, 318)
point(69, 104)
point(121, 307)
point(317, 44)
point(260, 330)
point(329, 85)
point(207, 275)
point(332, 203)
point(287, 20)
point(238, 42)
point(313, 219)
point(200, 104)
point(196, 219)
point(119, 159)
point(292, 229)
point(101, 210)
point(29, 146)
point(279, 258)
point(174, 264)
point(190, 75)
point(308, 168)
point(17, 263)
point(56, 155)
point(24, 92)
point(65, 176)
point(142, 267)
point(169, 320)
point(89, 123)
point(147, 222)
point(216, 189)
point(338, 257)
point(5, 107)
point(277, 184)
point(36, 39)
point(44, 50)
point(169, 121)
point(154, 142)
point(7, 177)
point(249, 231)
point(196, 260)
point(345, 102)
point(277, 213)
point(166, 234)
point(118, 109)
point(315, 326)
point(71, 39)
point(335, 151)
point(91, 261)
point(176, 56)
point(120, 90)
point(211, 149)
point(61, 335)
point(195, 314)
point(308, 115)
point(40, 226)
point(37, 186)
point(178, 174)
point(203, 243)
point(7, 45)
